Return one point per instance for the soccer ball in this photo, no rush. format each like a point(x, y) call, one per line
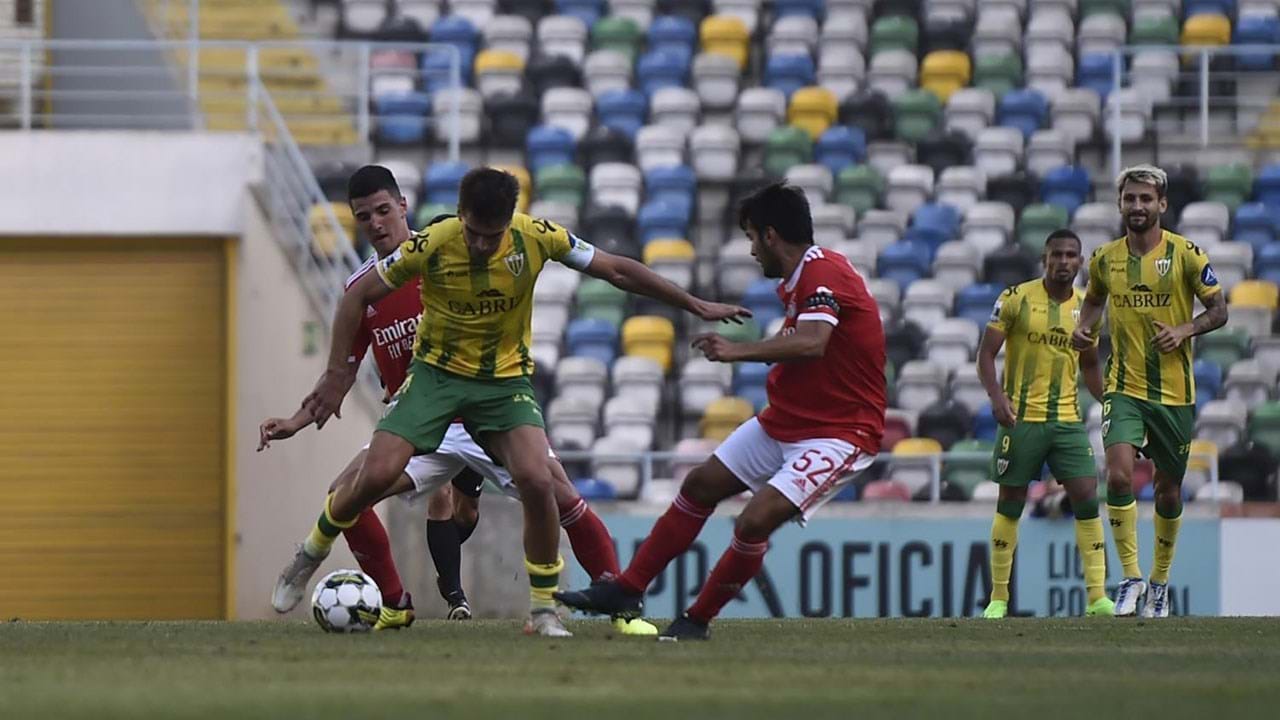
point(346, 601)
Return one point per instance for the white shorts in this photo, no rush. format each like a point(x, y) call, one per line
point(808, 473)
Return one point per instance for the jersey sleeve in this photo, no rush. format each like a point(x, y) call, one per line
point(1004, 313)
point(1197, 272)
point(360, 345)
point(563, 246)
point(406, 262)
point(1097, 290)
point(817, 293)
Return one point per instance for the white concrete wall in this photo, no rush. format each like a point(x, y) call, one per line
point(1250, 574)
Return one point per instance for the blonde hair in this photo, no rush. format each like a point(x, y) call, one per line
point(1145, 174)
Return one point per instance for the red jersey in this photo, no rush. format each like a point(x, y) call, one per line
point(390, 326)
point(842, 394)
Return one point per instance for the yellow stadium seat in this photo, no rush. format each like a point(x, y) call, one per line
point(498, 60)
point(668, 250)
point(917, 446)
point(1256, 293)
point(1199, 449)
point(1206, 29)
point(521, 174)
point(723, 416)
point(725, 35)
point(323, 240)
point(813, 109)
point(649, 336)
point(945, 71)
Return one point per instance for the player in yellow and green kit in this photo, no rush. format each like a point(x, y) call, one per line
point(1150, 277)
point(472, 360)
point(1039, 416)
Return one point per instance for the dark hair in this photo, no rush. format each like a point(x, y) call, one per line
point(779, 206)
point(488, 195)
point(1064, 233)
point(369, 180)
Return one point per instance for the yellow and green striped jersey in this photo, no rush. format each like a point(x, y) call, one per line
point(476, 312)
point(1158, 286)
point(1040, 366)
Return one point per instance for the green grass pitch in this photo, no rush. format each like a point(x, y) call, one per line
point(1020, 668)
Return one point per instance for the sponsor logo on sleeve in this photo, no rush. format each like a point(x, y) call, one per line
point(1208, 276)
point(995, 311)
point(390, 260)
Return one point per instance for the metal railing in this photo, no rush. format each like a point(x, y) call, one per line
point(1241, 113)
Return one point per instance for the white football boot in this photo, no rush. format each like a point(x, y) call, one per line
point(1157, 604)
point(546, 623)
point(292, 583)
point(1128, 595)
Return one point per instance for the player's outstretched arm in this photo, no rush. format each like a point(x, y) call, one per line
point(808, 342)
point(1168, 338)
point(326, 399)
point(1001, 406)
point(635, 277)
point(281, 428)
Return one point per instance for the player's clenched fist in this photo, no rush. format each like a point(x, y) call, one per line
point(1002, 409)
point(714, 347)
point(326, 399)
point(1081, 339)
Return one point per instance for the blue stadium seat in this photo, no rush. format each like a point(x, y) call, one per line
point(788, 73)
point(665, 218)
point(589, 11)
point(436, 70)
point(1211, 7)
point(975, 302)
point(592, 337)
point(1254, 225)
point(672, 33)
point(658, 69)
point(676, 182)
point(904, 262)
point(839, 147)
point(401, 118)
point(1094, 72)
point(1067, 187)
point(749, 383)
point(593, 489)
point(622, 110)
point(441, 182)
point(810, 8)
point(548, 145)
point(1257, 30)
point(1266, 189)
point(934, 223)
point(984, 423)
point(459, 32)
point(1208, 378)
point(1025, 110)
point(761, 298)
point(1266, 263)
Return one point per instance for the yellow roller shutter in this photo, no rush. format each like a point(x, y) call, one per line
point(112, 428)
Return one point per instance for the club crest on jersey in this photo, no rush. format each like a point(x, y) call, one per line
point(791, 310)
point(1106, 425)
point(1001, 466)
point(1163, 265)
point(369, 311)
point(515, 263)
point(1075, 314)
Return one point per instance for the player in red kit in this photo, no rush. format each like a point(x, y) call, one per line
point(452, 476)
point(822, 426)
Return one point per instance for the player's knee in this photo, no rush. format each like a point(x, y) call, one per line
point(378, 474)
point(698, 487)
point(532, 478)
point(466, 514)
point(1168, 498)
point(1119, 477)
point(752, 527)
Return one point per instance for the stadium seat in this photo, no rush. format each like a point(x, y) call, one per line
point(1016, 189)
point(909, 186)
point(572, 421)
point(663, 218)
point(941, 150)
point(1264, 426)
point(961, 186)
point(617, 33)
point(1222, 422)
point(812, 109)
point(892, 72)
point(984, 423)
point(592, 337)
point(886, 491)
point(563, 36)
point(606, 70)
point(841, 69)
point(1208, 379)
point(946, 29)
point(459, 32)
point(788, 72)
point(511, 117)
point(952, 343)
point(1232, 262)
point(1074, 112)
point(966, 473)
point(716, 79)
point(792, 35)
point(561, 183)
point(1253, 305)
point(726, 35)
point(692, 10)
point(870, 111)
point(1266, 264)
point(547, 146)
point(1037, 222)
point(649, 336)
point(1257, 26)
point(441, 182)
point(1206, 29)
point(786, 146)
point(702, 382)
point(662, 68)
point(833, 224)
point(912, 462)
point(997, 32)
point(904, 262)
point(840, 147)
point(498, 72)
point(617, 184)
point(758, 113)
point(676, 35)
point(632, 418)
point(749, 383)
point(894, 32)
point(1009, 265)
point(945, 71)
point(582, 378)
point(1249, 469)
point(676, 108)
point(1230, 184)
point(1096, 72)
point(622, 110)
point(916, 114)
point(976, 301)
point(1250, 382)
point(613, 229)
point(659, 146)
point(723, 415)
point(714, 150)
point(882, 227)
point(1223, 347)
point(969, 110)
point(509, 33)
point(622, 475)
point(1254, 225)
point(946, 422)
point(640, 379)
point(998, 74)
point(860, 187)
point(598, 299)
point(1025, 110)
point(672, 259)
point(920, 383)
point(401, 118)
point(998, 151)
point(813, 180)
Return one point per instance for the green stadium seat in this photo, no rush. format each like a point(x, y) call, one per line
point(617, 33)
point(748, 331)
point(1264, 427)
point(998, 73)
point(966, 474)
point(894, 32)
point(1224, 347)
point(1230, 184)
point(430, 210)
point(915, 114)
point(561, 183)
point(786, 146)
point(1154, 30)
point(1114, 7)
point(1037, 222)
point(859, 187)
point(598, 299)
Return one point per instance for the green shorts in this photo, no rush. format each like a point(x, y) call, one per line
point(1162, 432)
point(1021, 452)
point(431, 398)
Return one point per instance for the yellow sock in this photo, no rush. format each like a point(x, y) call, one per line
point(1124, 530)
point(325, 531)
point(543, 580)
point(1093, 553)
point(1166, 544)
point(1004, 538)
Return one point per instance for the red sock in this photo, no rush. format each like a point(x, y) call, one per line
point(590, 540)
point(674, 532)
point(737, 566)
point(369, 543)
